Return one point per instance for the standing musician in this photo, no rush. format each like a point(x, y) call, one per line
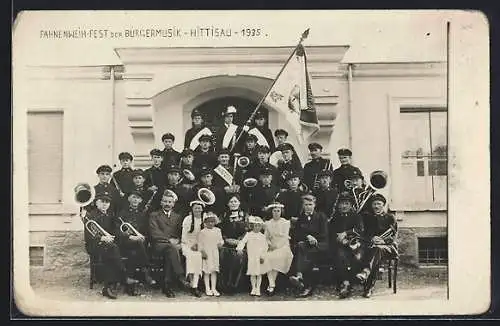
point(311, 239)
point(104, 186)
point(291, 198)
point(262, 162)
point(288, 164)
point(187, 159)
point(263, 133)
point(326, 196)
point(183, 191)
point(192, 136)
point(344, 171)
point(343, 227)
point(133, 245)
point(223, 173)
point(165, 227)
point(315, 166)
point(138, 178)
point(380, 239)
point(104, 245)
point(123, 177)
point(204, 155)
point(281, 136)
point(205, 180)
point(262, 195)
point(156, 178)
point(228, 133)
point(250, 149)
point(170, 155)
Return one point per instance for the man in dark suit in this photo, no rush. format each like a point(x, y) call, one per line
point(165, 227)
point(380, 232)
point(345, 171)
point(315, 166)
point(311, 237)
point(325, 195)
point(170, 155)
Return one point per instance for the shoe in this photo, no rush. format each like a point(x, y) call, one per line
point(257, 293)
point(196, 292)
point(270, 291)
point(168, 292)
point(252, 293)
point(185, 284)
point(344, 291)
point(209, 293)
point(216, 293)
point(305, 293)
point(297, 282)
point(363, 275)
point(108, 292)
point(368, 293)
point(149, 280)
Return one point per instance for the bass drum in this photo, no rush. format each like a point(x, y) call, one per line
point(275, 158)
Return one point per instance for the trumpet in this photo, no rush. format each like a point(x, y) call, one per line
point(95, 229)
point(378, 180)
point(128, 228)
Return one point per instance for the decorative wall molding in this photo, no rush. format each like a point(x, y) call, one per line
point(74, 72)
point(399, 69)
point(226, 55)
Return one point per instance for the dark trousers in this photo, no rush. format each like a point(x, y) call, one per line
point(172, 266)
point(372, 259)
point(136, 253)
point(114, 270)
point(347, 262)
point(232, 267)
point(307, 256)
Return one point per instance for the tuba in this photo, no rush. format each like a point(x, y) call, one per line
point(378, 180)
point(206, 196)
point(128, 228)
point(84, 195)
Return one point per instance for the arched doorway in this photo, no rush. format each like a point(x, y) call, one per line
point(212, 110)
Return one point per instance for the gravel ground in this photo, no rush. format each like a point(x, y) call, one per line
point(71, 284)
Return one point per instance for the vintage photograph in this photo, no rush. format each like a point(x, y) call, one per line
point(171, 159)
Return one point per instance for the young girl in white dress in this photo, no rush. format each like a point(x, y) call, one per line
point(209, 242)
point(280, 255)
point(191, 226)
point(256, 244)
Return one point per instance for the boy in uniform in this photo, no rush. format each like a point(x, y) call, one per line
point(250, 149)
point(170, 155)
point(315, 166)
point(140, 188)
point(104, 245)
point(344, 171)
point(325, 195)
point(104, 186)
point(156, 178)
point(261, 163)
point(204, 155)
point(205, 180)
point(187, 159)
point(262, 195)
point(123, 177)
point(182, 191)
point(288, 164)
point(261, 132)
point(291, 198)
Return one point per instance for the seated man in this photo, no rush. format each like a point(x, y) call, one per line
point(165, 227)
point(380, 234)
point(311, 236)
point(344, 227)
point(102, 243)
point(133, 245)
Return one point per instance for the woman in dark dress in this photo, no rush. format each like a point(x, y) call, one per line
point(233, 226)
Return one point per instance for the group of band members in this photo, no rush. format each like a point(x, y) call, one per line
point(266, 219)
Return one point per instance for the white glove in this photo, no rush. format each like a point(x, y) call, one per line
point(246, 128)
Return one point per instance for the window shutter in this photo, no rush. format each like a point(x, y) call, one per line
point(45, 145)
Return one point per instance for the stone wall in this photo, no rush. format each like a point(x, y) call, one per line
point(65, 250)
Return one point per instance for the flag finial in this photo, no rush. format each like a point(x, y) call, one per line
point(305, 34)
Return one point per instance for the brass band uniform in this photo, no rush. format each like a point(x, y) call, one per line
point(192, 136)
point(344, 171)
point(315, 166)
point(263, 134)
point(170, 155)
point(326, 196)
point(156, 179)
point(288, 164)
point(204, 155)
point(105, 186)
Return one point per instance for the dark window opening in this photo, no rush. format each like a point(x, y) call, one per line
point(433, 251)
point(36, 256)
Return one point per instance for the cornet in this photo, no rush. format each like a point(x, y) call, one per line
point(128, 228)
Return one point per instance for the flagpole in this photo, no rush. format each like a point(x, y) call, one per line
point(249, 121)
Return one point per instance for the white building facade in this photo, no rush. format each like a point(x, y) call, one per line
point(393, 115)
